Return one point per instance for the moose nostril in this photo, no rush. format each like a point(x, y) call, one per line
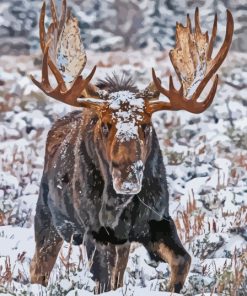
point(139, 167)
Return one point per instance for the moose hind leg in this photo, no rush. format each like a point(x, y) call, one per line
point(166, 246)
point(48, 244)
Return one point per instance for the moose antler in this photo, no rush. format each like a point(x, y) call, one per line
point(191, 59)
point(63, 52)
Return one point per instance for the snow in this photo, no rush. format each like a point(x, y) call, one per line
point(7, 180)
point(126, 117)
point(65, 284)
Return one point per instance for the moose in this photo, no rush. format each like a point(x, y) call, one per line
point(104, 181)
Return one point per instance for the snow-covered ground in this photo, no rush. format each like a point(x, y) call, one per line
point(206, 161)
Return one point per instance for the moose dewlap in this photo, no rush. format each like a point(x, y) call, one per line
point(104, 181)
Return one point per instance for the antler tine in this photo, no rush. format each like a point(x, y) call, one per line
point(197, 21)
point(45, 83)
point(189, 23)
point(193, 45)
point(42, 33)
point(212, 39)
point(57, 75)
point(211, 94)
point(55, 71)
point(45, 73)
point(43, 36)
point(171, 85)
point(221, 55)
point(200, 107)
point(62, 18)
point(158, 85)
point(79, 84)
point(58, 25)
point(55, 26)
point(54, 13)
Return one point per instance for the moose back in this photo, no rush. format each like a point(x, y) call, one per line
point(104, 181)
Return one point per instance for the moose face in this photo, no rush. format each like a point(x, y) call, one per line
point(124, 134)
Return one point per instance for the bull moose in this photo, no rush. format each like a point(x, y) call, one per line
point(104, 181)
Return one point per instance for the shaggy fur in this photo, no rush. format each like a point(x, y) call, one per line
point(116, 83)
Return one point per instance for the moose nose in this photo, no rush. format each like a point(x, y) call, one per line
point(126, 185)
point(130, 183)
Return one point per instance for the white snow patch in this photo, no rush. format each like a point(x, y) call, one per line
point(126, 119)
point(31, 189)
point(8, 180)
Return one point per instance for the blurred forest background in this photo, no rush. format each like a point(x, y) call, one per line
point(118, 24)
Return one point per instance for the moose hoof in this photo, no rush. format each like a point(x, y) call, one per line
point(36, 276)
point(39, 279)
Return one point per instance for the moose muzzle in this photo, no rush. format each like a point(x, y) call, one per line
point(127, 179)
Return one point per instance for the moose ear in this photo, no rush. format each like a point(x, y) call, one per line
point(151, 92)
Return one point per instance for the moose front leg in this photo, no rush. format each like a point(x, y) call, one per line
point(166, 246)
point(48, 244)
point(108, 264)
point(121, 260)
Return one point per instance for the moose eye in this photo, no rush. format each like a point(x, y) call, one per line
point(105, 128)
